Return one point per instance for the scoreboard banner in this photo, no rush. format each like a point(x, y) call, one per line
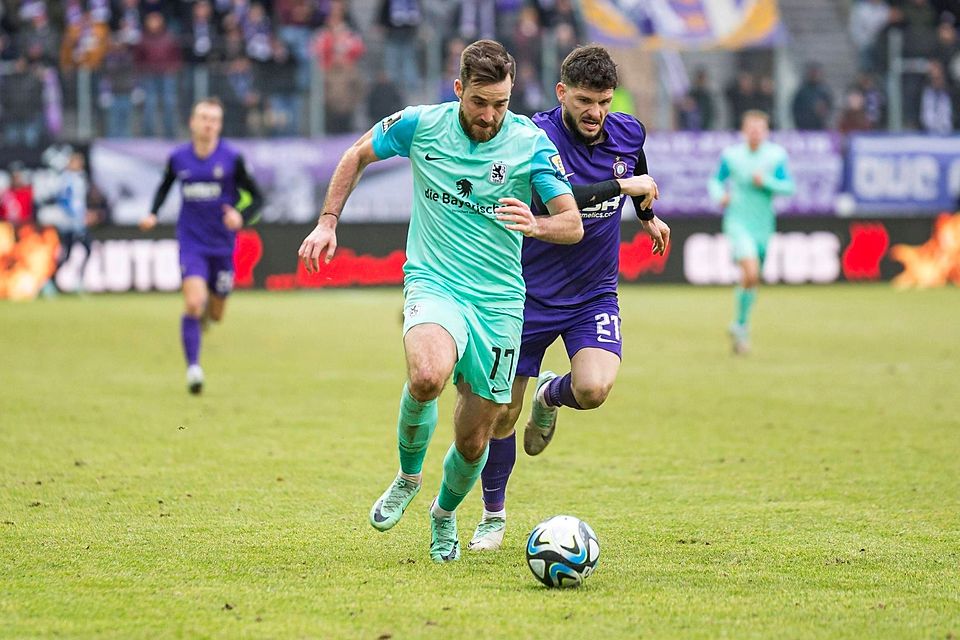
point(912, 251)
point(904, 173)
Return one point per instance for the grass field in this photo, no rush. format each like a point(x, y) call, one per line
point(811, 490)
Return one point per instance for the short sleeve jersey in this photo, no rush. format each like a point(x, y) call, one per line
point(566, 275)
point(455, 240)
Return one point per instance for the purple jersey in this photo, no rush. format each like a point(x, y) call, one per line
point(205, 186)
point(563, 275)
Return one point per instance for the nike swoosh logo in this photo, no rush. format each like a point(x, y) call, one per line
point(498, 390)
point(432, 158)
point(567, 175)
point(599, 339)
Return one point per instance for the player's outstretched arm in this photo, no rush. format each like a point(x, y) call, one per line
point(150, 220)
point(322, 241)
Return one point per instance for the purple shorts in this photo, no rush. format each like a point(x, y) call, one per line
point(216, 270)
point(595, 323)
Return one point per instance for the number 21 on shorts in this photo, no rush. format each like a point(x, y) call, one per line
point(608, 327)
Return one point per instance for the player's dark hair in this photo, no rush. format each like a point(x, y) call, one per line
point(209, 100)
point(589, 67)
point(486, 62)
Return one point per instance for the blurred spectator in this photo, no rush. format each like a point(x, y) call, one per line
point(765, 98)
point(202, 37)
point(279, 83)
point(158, 60)
point(39, 36)
point(854, 115)
point(507, 21)
point(688, 116)
point(257, 34)
point(702, 97)
point(918, 20)
point(297, 19)
point(384, 98)
point(451, 69)
point(868, 19)
point(241, 101)
point(741, 96)
point(528, 95)
point(72, 198)
point(16, 203)
point(21, 92)
point(874, 99)
point(128, 22)
point(813, 101)
point(84, 43)
point(527, 38)
point(936, 103)
point(117, 85)
point(948, 50)
point(339, 48)
point(476, 20)
point(400, 20)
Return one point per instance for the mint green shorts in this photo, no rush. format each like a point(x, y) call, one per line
point(744, 244)
point(488, 341)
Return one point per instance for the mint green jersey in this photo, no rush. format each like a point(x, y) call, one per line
point(751, 207)
point(455, 241)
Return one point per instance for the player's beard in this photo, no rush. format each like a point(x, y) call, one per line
point(575, 129)
point(486, 134)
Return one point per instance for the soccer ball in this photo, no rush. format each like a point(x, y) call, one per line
point(562, 551)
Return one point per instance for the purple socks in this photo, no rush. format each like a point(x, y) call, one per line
point(559, 393)
point(496, 473)
point(190, 335)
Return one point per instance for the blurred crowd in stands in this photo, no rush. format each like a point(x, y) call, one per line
point(146, 61)
point(143, 58)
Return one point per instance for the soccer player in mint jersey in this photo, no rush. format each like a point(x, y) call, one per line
point(572, 290)
point(750, 174)
point(213, 183)
point(474, 164)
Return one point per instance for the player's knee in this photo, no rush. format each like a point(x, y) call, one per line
point(425, 383)
point(193, 307)
point(593, 394)
point(216, 314)
point(506, 421)
point(472, 446)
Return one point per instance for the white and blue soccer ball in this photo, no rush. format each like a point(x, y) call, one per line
point(562, 551)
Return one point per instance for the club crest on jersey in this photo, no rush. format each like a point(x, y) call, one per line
point(619, 168)
point(217, 171)
point(391, 120)
point(557, 163)
point(498, 173)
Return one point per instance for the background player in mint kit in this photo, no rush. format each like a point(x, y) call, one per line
point(572, 290)
point(219, 197)
point(750, 174)
point(474, 163)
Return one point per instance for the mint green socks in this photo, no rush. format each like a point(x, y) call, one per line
point(744, 303)
point(415, 427)
point(459, 477)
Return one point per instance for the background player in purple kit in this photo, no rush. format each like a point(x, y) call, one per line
point(219, 197)
point(572, 290)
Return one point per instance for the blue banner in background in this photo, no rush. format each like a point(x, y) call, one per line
point(903, 173)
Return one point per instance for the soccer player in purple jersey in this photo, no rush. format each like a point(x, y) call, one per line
point(212, 177)
point(572, 289)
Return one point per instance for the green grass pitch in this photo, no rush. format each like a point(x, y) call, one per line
point(811, 490)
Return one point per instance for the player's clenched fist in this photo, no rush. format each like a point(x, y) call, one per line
point(518, 216)
point(322, 241)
